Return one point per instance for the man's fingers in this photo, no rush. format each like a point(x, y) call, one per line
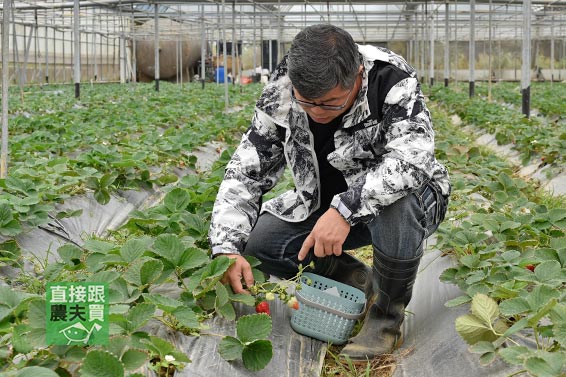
point(248, 275)
point(236, 284)
point(307, 245)
point(337, 249)
point(319, 250)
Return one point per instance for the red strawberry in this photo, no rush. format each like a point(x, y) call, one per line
point(263, 307)
point(530, 267)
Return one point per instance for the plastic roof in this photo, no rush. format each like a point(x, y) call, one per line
point(367, 21)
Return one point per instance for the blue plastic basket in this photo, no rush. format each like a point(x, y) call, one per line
point(324, 316)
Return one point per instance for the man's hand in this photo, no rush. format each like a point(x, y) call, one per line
point(240, 268)
point(327, 235)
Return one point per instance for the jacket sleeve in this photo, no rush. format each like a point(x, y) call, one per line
point(407, 162)
point(255, 168)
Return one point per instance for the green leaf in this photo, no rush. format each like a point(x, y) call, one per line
point(513, 355)
point(257, 354)
point(487, 358)
point(473, 330)
point(253, 327)
point(548, 270)
point(559, 331)
point(140, 314)
point(18, 339)
point(557, 214)
point(230, 348)
point(150, 271)
point(134, 248)
point(97, 246)
point(186, 317)
point(101, 364)
point(517, 326)
point(457, 301)
point(163, 302)
point(544, 365)
point(134, 359)
point(36, 314)
point(540, 296)
point(193, 258)
point(176, 200)
point(227, 311)
point(107, 180)
point(248, 300)
point(102, 196)
point(514, 306)
point(6, 215)
point(170, 247)
point(558, 242)
point(482, 347)
point(221, 295)
point(70, 254)
point(485, 308)
point(36, 371)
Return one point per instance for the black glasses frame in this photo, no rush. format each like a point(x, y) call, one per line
point(321, 105)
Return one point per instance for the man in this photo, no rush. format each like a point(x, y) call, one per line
point(351, 124)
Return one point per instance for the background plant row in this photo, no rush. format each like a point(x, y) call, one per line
point(162, 246)
point(509, 243)
point(115, 137)
point(539, 140)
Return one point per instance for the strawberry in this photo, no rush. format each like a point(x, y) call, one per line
point(530, 267)
point(293, 303)
point(263, 307)
point(269, 296)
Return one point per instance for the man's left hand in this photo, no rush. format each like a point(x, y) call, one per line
point(327, 235)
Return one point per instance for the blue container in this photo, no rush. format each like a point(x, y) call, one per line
point(220, 74)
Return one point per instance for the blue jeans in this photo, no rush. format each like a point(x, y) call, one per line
point(399, 232)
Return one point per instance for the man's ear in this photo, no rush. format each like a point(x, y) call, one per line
point(361, 68)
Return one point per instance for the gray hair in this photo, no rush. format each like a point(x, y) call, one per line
point(322, 57)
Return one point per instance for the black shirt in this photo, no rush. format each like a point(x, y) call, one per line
point(332, 181)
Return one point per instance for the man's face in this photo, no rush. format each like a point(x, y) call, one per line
point(331, 105)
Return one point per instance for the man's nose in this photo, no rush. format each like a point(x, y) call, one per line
point(316, 110)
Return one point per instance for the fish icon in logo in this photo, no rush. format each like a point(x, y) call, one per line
point(77, 332)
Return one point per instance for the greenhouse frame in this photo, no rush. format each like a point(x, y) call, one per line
point(119, 118)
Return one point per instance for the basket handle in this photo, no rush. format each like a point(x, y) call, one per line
point(305, 300)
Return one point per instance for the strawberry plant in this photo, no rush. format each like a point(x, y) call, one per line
point(510, 247)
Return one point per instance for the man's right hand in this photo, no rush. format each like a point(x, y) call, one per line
point(240, 268)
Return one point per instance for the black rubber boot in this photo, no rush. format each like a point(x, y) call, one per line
point(345, 269)
point(393, 281)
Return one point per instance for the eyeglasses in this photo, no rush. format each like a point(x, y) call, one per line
point(322, 106)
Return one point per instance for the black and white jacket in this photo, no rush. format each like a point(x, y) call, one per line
point(384, 153)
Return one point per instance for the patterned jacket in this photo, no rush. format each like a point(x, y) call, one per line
point(382, 160)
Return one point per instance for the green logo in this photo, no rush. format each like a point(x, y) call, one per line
point(77, 313)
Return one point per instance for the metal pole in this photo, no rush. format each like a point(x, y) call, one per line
point(254, 45)
point(5, 82)
point(226, 102)
point(489, 76)
point(456, 43)
point(552, 51)
point(202, 47)
point(431, 67)
point(446, 44)
point(77, 51)
point(472, 48)
point(234, 46)
point(46, 56)
point(526, 67)
point(156, 46)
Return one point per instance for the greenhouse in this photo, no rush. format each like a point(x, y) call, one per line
point(133, 177)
